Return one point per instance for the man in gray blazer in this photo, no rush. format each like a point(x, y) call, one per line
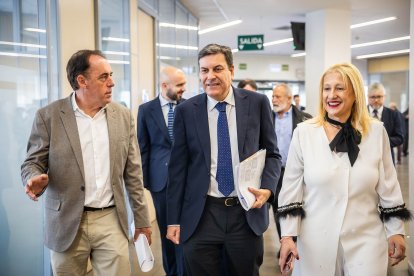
point(83, 153)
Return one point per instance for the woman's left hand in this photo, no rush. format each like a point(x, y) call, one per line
point(396, 249)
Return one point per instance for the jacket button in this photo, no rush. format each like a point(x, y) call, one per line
point(82, 188)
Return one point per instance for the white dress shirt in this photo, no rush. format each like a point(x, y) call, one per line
point(379, 111)
point(213, 113)
point(94, 140)
point(165, 108)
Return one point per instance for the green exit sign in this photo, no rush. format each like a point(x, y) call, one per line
point(250, 42)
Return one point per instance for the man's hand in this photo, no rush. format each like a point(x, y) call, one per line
point(36, 185)
point(173, 234)
point(396, 249)
point(146, 231)
point(262, 195)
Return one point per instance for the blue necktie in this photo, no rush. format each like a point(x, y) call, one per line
point(170, 121)
point(224, 175)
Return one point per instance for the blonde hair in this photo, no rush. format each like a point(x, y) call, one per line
point(352, 78)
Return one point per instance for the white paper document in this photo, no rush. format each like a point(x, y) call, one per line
point(145, 256)
point(249, 174)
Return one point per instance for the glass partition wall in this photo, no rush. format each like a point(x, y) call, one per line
point(114, 33)
point(177, 42)
point(27, 50)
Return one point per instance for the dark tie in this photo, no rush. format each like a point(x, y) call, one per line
point(170, 121)
point(224, 175)
point(375, 114)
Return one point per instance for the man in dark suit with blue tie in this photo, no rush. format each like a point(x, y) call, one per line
point(213, 133)
point(391, 119)
point(155, 129)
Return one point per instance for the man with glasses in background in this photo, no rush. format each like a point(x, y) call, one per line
point(390, 118)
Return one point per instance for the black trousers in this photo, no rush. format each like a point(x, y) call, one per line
point(275, 202)
point(223, 243)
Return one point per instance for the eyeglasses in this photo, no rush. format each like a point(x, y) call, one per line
point(376, 97)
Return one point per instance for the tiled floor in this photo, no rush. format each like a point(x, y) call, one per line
point(271, 241)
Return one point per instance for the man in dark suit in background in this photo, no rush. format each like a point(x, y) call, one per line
point(390, 118)
point(286, 117)
point(155, 139)
point(213, 133)
point(296, 99)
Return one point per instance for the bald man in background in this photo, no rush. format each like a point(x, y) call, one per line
point(155, 125)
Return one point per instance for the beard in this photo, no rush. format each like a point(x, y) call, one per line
point(172, 95)
point(280, 107)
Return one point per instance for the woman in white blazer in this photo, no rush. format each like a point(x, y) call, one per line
point(340, 195)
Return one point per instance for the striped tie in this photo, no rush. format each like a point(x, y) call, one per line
point(171, 121)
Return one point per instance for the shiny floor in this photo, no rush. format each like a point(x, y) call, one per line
point(271, 240)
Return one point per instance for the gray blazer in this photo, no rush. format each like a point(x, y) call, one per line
point(54, 148)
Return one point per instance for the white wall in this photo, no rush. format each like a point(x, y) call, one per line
point(259, 67)
point(265, 67)
point(74, 34)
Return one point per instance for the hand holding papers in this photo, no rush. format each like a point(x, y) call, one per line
point(249, 174)
point(145, 256)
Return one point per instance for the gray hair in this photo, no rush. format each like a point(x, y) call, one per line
point(288, 91)
point(376, 86)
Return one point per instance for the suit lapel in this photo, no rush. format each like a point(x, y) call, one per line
point(201, 124)
point(385, 116)
point(71, 128)
point(111, 117)
point(242, 115)
point(295, 118)
point(156, 113)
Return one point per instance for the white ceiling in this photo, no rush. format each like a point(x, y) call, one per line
point(264, 16)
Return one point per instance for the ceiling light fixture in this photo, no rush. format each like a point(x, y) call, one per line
point(116, 53)
point(113, 61)
point(35, 30)
point(368, 44)
point(23, 44)
point(163, 45)
point(218, 27)
point(278, 42)
point(116, 39)
point(380, 42)
point(373, 22)
point(21, 55)
point(384, 54)
point(168, 58)
point(298, 55)
point(177, 26)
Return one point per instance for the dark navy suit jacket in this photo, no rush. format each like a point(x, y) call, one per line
point(393, 124)
point(189, 173)
point(155, 145)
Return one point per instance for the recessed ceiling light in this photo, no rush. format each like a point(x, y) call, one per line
point(384, 54)
point(373, 22)
point(218, 27)
point(177, 26)
point(380, 42)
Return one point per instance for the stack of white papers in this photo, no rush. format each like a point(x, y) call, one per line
point(249, 174)
point(145, 256)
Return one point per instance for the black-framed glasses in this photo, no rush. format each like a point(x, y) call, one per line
point(376, 97)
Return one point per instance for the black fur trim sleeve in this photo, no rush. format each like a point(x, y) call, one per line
point(399, 212)
point(293, 209)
